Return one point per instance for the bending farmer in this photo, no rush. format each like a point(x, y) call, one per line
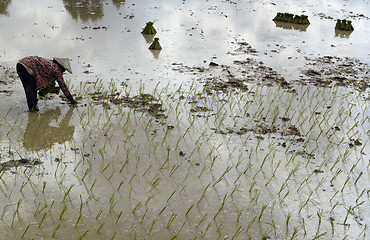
point(37, 73)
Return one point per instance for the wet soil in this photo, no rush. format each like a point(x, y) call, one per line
point(23, 162)
point(142, 103)
point(328, 71)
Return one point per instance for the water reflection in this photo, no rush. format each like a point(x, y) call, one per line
point(293, 26)
point(118, 3)
point(87, 10)
point(148, 38)
point(4, 6)
point(44, 130)
point(342, 33)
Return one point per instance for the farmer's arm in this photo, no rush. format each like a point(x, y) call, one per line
point(65, 89)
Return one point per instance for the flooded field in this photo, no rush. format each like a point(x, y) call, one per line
point(239, 128)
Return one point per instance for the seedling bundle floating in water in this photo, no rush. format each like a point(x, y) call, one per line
point(155, 45)
point(149, 29)
point(344, 24)
point(291, 18)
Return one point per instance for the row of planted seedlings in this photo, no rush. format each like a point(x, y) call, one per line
point(262, 163)
point(341, 24)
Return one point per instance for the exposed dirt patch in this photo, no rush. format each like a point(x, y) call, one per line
point(264, 129)
point(243, 48)
point(142, 102)
point(224, 78)
point(199, 109)
point(328, 71)
point(18, 163)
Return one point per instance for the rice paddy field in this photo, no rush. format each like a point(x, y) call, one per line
point(239, 128)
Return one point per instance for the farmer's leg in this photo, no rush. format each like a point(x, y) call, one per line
point(29, 85)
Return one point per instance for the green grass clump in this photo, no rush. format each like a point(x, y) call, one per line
point(155, 45)
point(344, 24)
point(291, 18)
point(149, 29)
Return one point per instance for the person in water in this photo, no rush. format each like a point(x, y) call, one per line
point(37, 73)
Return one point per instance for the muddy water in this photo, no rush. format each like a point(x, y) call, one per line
point(271, 142)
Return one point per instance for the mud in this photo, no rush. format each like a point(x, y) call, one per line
point(142, 103)
point(328, 71)
point(23, 162)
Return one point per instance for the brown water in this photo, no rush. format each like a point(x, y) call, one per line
point(271, 143)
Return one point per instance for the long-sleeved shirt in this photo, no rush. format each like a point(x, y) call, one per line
point(46, 72)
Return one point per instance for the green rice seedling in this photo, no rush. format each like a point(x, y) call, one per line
point(42, 219)
point(273, 173)
point(358, 178)
point(262, 210)
point(345, 183)
point(173, 193)
point(335, 205)
point(120, 185)
point(170, 221)
point(112, 203)
point(137, 207)
point(205, 231)
point(204, 193)
point(335, 163)
point(63, 212)
point(7, 113)
point(238, 231)
point(305, 203)
point(164, 208)
point(66, 194)
point(39, 210)
point(250, 224)
point(363, 232)
point(361, 194)
point(23, 185)
point(25, 231)
point(143, 217)
point(287, 220)
point(84, 234)
point(319, 235)
point(173, 169)
point(151, 226)
point(119, 216)
point(189, 209)
point(114, 236)
point(132, 178)
point(79, 220)
point(56, 230)
point(294, 234)
point(322, 181)
point(101, 210)
point(202, 220)
point(319, 214)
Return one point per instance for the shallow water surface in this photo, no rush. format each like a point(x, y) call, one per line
point(270, 141)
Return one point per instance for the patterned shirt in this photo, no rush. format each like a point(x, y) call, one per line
point(46, 72)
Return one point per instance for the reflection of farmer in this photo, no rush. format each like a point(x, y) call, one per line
point(43, 129)
point(37, 73)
